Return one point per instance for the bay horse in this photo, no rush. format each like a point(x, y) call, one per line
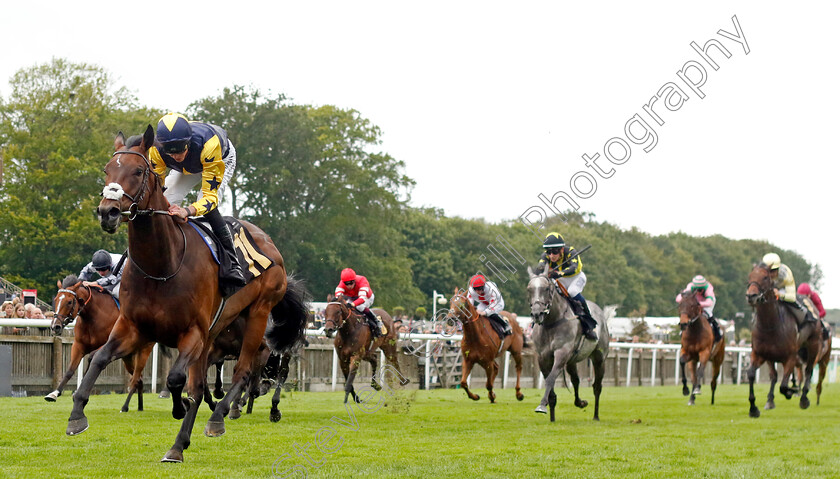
point(698, 346)
point(481, 344)
point(353, 341)
point(823, 358)
point(559, 340)
point(776, 338)
point(95, 312)
point(170, 294)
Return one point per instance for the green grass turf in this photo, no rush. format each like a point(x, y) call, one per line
point(644, 432)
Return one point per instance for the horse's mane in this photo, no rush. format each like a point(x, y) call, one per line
point(134, 140)
point(69, 280)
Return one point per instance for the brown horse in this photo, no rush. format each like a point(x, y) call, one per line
point(823, 358)
point(170, 294)
point(95, 312)
point(353, 342)
point(776, 338)
point(481, 345)
point(698, 346)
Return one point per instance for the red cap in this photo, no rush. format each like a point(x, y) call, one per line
point(348, 274)
point(803, 289)
point(477, 281)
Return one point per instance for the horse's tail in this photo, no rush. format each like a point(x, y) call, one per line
point(288, 318)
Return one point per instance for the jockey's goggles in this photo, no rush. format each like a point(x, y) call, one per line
point(554, 250)
point(175, 147)
point(351, 282)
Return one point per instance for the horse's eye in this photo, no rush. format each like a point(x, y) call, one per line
point(138, 172)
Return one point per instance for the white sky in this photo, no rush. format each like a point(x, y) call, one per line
point(491, 104)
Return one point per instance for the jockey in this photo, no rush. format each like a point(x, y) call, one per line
point(805, 290)
point(569, 272)
point(101, 271)
point(197, 152)
point(705, 294)
point(784, 287)
point(356, 288)
point(487, 299)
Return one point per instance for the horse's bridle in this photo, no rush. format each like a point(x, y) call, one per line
point(111, 192)
point(67, 319)
point(344, 315)
point(118, 190)
point(761, 292)
point(540, 301)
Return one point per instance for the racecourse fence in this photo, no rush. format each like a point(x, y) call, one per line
point(428, 360)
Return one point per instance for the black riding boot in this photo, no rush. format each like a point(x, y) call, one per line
point(234, 276)
point(587, 322)
point(375, 325)
point(506, 330)
point(715, 328)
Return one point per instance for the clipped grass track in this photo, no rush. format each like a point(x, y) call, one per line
point(441, 434)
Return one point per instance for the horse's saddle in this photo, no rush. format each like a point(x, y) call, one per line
point(251, 259)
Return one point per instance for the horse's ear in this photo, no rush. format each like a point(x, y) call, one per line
point(148, 138)
point(119, 142)
point(455, 291)
point(330, 298)
point(531, 272)
point(59, 284)
point(545, 271)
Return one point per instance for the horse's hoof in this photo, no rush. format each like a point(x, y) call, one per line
point(219, 394)
point(164, 395)
point(581, 404)
point(77, 426)
point(770, 405)
point(51, 397)
point(235, 413)
point(596, 418)
point(474, 397)
point(214, 428)
point(685, 391)
point(173, 455)
point(275, 417)
point(123, 409)
point(804, 402)
point(520, 396)
point(691, 402)
point(541, 409)
point(754, 412)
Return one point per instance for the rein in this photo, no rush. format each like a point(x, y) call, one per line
point(164, 278)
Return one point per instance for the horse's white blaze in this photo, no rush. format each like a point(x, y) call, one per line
point(114, 191)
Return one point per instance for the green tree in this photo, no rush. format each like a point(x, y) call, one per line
point(57, 128)
point(312, 178)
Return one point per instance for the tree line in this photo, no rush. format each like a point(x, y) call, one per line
point(315, 179)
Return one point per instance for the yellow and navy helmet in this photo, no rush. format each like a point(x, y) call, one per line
point(174, 132)
point(553, 240)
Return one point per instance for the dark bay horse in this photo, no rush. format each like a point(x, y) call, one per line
point(353, 342)
point(95, 312)
point(823, 358)
point(775, 338)
point(559, 342)
point(698, 346)
point(170, 294)
point(481, 345)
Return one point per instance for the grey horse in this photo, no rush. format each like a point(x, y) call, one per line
point(559, 342)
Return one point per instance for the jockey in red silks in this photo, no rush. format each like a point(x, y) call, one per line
point(805, 290)
point(488, 301)
point(356, 289)
point(705, 294)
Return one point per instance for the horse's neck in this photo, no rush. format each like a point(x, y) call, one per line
point(96, 309)
point(767, 315)
point(155, 243)
point(556, 312)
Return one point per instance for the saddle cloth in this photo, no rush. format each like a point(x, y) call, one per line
point(251, 259)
